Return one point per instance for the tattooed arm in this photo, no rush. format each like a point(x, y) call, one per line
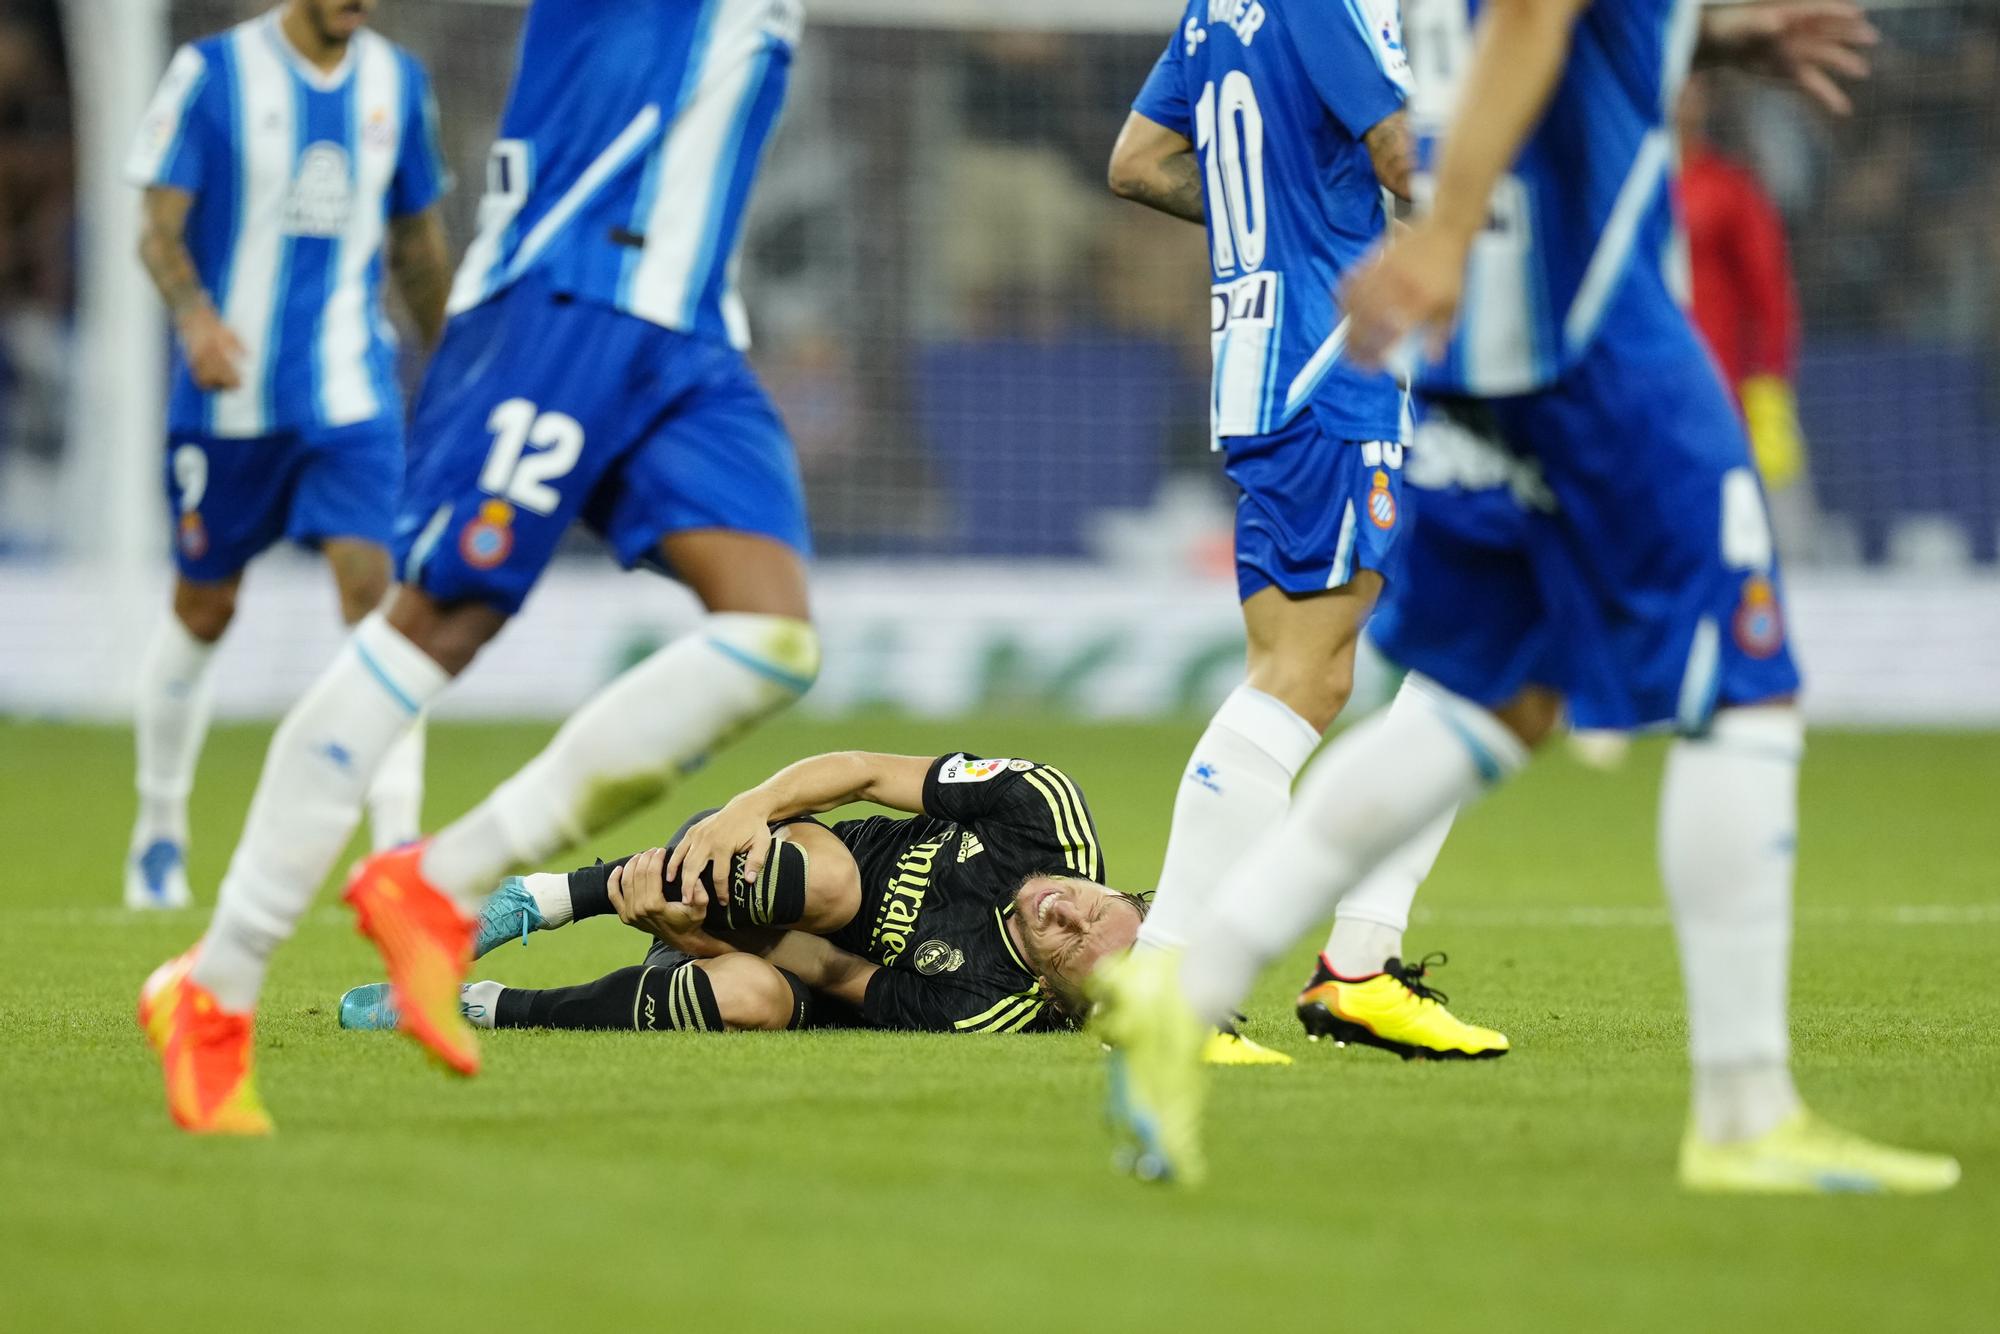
point(1394, 154)
point(421, 269)
point(1156, 167)
point(213, 352)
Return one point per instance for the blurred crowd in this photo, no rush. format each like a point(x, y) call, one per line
point(37, 277)
point(979, 350)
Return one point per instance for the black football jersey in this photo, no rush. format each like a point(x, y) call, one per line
point(937, 889)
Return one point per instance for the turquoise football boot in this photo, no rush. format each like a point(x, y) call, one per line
point(373, 1008)
point(510, 913)
point(369, 1008)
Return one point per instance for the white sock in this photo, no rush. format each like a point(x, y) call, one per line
point(308, 801)
point(174, 703)
point(1369, 922)
point(396, 797)
point(1236, 788)
point(1374, 790)
point(627, 744)
point(477, 1001)
point(550, 891)
point(1728, 839)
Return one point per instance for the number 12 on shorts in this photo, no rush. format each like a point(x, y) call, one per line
point(531, 449)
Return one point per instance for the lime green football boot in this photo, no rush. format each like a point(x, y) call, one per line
point(1157, 1081)
point(1393, 1010)
point(1806, 1156)
point(1228, 1046)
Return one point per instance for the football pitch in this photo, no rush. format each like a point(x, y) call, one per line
point(873, 1182)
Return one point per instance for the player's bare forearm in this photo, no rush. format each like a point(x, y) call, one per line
point(1154, 166)
point(422, 270)
point(1518, 55)
point(163, 250)
point(214, 354)
point(824, 782)
point(1393, 150)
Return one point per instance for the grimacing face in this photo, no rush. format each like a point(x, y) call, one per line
point(337, 20)
point(1070, 926)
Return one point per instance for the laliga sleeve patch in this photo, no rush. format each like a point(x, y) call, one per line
point(1385, 30)
point(966, 769)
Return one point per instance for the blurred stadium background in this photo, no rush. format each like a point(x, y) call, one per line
point(995, 372)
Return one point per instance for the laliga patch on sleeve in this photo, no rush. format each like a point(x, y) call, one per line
point(1385, 29)
point(965, 769)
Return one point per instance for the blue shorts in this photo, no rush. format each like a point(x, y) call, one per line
point(230, 499)
point(1313, 508)
point(540, 409)
point(1605, 537)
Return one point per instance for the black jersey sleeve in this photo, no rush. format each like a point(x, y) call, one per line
point(1036, 811)
point(906, 1000)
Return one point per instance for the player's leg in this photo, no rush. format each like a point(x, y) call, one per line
point(1679, 592)
point(344, 504)
point(1309, 560)
point(810, 883)
point(669, 992)
point(171, 721)
point(1465, 615)
point(396, 797)
point(1238, 781)
point(713, 496)
point(227, 499)
point(733, 993)
point(474, 555)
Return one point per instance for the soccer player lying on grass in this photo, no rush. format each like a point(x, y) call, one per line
point(980, 912)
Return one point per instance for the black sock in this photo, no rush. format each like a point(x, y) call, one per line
point(777, 897)
point(590, 890)
point(605, 1003)
point(644, 996)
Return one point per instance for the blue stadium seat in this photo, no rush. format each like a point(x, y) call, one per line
point(1030, 438)
point(1898, 429)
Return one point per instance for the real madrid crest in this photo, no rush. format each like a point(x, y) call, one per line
point(937, 956)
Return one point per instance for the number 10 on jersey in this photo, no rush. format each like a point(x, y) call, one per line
point(1229, 133)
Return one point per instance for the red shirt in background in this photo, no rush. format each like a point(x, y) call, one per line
point(1744, 301)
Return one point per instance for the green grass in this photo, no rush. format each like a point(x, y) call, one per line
point(863, 1182)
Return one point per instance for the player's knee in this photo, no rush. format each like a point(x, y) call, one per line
point(1316, 691)
point(205, 609)
point(451, 634)
point(361, 573)
point(1533, 715)
point(784, 650)
point(750, 994)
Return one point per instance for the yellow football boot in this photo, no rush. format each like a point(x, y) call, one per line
point(1157, 1083)
point(1806, 1156)
point(1226, 1046)
point(205, 1054)
point(1395, 1011)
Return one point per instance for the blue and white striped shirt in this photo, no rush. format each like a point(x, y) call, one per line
point(295, 174)
point(626, 155)
point(1587, 207)
point(1278, 97)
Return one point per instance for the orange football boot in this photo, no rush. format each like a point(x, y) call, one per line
point(205, 1054)
point(426, 943)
